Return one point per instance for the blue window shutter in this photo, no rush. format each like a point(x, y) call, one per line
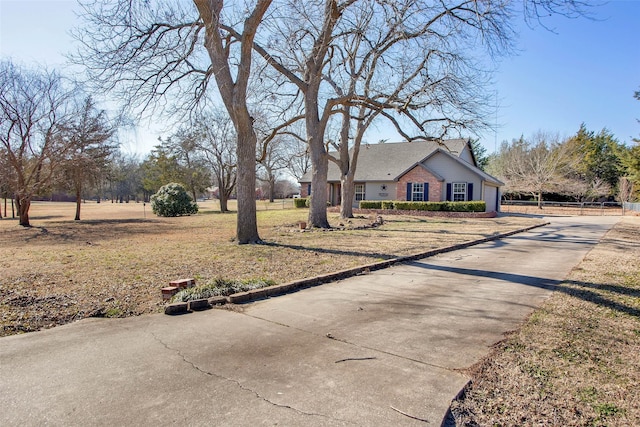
point(425, 192)
point(409, 188)
point(469, 191)
point(308, 189)
point(448, 192)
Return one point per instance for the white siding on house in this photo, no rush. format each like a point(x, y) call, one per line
point(453, 171)
point(374, 191)
point(491, 198)
point(466, 155)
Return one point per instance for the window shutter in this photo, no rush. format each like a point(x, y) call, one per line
point(448, 192)
point(308, 189)
point(426, 192)
point(409, 188)
point(469, 191)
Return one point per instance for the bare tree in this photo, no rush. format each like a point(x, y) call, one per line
point(398, 69)
point(150, 51)
point(216, 140)
point(152, 54)
point(273, 161)
point(536, 166)
point(625, 191)
point(299, 162)
point(33, 107)
point(584, 190)
point(5, 179)
point(411, 41)
point(89, 135)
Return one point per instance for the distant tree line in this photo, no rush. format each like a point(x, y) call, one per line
point(587, 166)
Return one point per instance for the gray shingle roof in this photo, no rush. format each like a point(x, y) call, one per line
point(387, 161)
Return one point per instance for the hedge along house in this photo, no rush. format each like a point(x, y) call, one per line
point(432, 171)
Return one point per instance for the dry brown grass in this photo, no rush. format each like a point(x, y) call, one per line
point(114, 262)
point(576, 362)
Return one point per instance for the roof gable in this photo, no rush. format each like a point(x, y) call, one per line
point(423, 166)
point(477, 171)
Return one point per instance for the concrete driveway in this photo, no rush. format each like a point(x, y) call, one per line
point(386, 348)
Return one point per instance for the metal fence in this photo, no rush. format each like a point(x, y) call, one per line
point(632, 206)
point(563, 208)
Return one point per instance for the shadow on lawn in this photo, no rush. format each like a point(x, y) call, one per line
point(69, 231)
point(586, 291)
point(376, 255)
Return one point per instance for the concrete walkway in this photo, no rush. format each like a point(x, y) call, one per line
point(386, 348)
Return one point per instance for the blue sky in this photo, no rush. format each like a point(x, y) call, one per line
point(585, 71)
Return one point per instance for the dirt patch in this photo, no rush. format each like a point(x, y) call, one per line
point(576, 361)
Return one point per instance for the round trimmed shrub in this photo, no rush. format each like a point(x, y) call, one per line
point(172, 200)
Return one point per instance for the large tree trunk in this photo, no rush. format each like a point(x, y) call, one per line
point(347, 190)
point(319, 172)
point(247, 225)
point(319, 162)
point(223, 202)
point(234, 96)
point(347, 169)
point(23, 204)
point(272, 188)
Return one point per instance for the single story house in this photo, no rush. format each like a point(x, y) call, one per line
point(418, 171)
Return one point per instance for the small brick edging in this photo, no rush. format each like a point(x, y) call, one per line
point(285, 288)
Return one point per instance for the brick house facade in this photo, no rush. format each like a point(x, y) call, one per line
point(420, 174)
point(423, 170)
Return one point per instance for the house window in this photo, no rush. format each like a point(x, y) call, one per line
point(359, 192)
point(459, 191)
point(417, 192)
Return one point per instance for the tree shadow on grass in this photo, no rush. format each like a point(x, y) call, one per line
point(214, 212)
point(45, 217)
point(68, 231)
point(376, 255)
point(586, 291)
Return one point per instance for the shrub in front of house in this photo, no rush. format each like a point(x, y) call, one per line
point(473, 206)
point(388, 204)
point(172, 200)
point(370, 204)
point(418, 206)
